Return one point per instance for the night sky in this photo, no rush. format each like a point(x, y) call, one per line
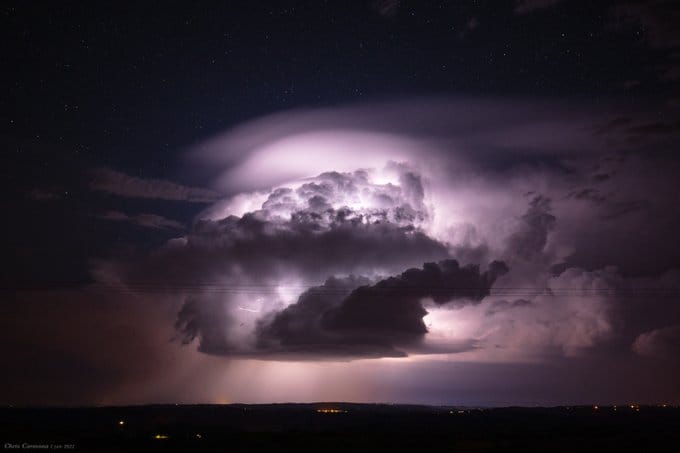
point(463, 202)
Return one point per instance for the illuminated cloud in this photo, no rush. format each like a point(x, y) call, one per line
point(294, 260)
point(454, 136)
point(194, 241)
point(293, 265)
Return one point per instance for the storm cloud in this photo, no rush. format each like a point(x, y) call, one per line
point(299, 265)
point(325, 260)
point(373, 319)
point(331, 224)
point(266, 203)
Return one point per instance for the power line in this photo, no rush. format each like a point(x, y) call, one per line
point(257, 289)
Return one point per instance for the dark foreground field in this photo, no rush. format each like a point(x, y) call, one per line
point(326, 427)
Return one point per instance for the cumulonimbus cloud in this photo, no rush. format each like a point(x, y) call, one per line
point(584, 218)
point(295, 259)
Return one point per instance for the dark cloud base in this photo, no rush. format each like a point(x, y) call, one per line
point(347, 317)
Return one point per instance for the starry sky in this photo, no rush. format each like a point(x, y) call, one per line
point(462, 202)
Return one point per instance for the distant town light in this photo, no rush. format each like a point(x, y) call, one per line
point(160, 436)
point(331, 411)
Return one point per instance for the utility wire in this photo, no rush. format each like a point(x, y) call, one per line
point(149, 287)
